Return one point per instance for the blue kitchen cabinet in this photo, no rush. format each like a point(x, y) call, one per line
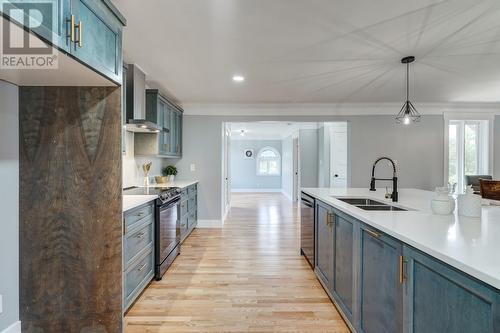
point(51, 19)
point(88, 30)
point(324, 245)
point(343, 264)
point(169, 116)
point(98, 37)
point(380, 285)
point(439, 298)
point(189, 210)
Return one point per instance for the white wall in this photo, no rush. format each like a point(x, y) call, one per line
point(287, 166)
point(132, 165)
point(9, 204)
point(244, 170)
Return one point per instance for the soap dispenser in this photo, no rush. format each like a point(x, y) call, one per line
point(469, 204)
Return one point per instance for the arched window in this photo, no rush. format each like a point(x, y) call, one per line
point(268, 162)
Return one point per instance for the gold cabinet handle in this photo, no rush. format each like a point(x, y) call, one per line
point(140, 235)
point(329, 219)
point(373, 233)
point(79, 26)
point(71, 33)
point(140, 214)
point(140, 269)
point(402, 276)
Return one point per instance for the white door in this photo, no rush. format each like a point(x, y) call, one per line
point(227, 168)
point(338, 155)
point(295, 157)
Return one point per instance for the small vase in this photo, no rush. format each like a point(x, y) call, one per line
point(171, 178)
point(443, 203)
point(469, 204)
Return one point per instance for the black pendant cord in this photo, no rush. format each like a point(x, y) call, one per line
point(407, 81)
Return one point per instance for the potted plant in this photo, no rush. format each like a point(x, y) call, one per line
point(170, 172)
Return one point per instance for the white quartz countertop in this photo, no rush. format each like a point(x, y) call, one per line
point(132, 201)
point(471, 245)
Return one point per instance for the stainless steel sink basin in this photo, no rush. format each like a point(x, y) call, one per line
point(382, 208)
point(369, 204)
point(361, 201)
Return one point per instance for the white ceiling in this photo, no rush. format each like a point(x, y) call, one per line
point(267, 130)
point(316, 51)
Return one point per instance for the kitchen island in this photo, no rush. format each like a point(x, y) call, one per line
point(414, 271)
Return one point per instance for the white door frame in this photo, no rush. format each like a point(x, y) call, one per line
point(332, 129)
point(226, 171)
point(295, 168)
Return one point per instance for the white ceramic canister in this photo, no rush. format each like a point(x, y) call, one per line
point(443, 203)
point(469, 204)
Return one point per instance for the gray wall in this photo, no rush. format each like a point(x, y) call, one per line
point(418, 149)
point(9, 204)
point(308, 152)
point(244, 170)
point(287, 166)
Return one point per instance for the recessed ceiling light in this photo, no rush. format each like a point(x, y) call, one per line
point(238, 78)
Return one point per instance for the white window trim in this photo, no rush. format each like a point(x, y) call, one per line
point(450, 116)
point(258, 159)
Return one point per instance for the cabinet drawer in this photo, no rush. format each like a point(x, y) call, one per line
point(184, 207)
point(184, 193)
point(138, 275)
point(192, 189)
point(136, 241)
point(192, 204)
point(137, 214)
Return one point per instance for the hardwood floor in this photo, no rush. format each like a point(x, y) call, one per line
point(246, 277)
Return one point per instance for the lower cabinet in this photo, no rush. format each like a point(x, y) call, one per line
point(343, 264)
point(324, 245)
point(189, 210)
point(439, 298)
point(381, 285)
point(138, 254)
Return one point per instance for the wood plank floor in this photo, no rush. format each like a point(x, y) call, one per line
point(246, 277)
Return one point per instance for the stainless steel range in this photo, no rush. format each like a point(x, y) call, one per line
point(167, 224)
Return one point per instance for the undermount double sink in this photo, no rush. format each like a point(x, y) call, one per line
point(369, 204)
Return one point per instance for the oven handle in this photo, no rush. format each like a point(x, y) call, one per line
point(170, 203)
point(306, 202)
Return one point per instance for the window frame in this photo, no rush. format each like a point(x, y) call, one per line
point(486, 123)
point(259, 158)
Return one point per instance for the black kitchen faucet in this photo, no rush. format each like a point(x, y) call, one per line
point(394, 194)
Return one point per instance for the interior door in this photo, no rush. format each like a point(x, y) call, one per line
point(338, 155)
point(227, 169)
point(295, 157)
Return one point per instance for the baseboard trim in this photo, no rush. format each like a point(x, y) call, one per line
point(256, 190)
point(14, 328)
point(209, 224)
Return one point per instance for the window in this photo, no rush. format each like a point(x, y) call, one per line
point(268, 162)
point(468, 150)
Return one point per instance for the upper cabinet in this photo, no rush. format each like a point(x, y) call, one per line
point(168, 142)
point(87, 30)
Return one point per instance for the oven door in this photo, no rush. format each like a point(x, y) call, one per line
point(168, 232)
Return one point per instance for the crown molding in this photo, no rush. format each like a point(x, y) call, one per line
point(332, 109)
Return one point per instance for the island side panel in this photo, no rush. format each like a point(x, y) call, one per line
point(70, 209)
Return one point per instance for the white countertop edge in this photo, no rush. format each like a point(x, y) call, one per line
point(492, 280)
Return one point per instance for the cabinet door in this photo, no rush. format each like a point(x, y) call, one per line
point(53, 14)
point(343, 263)
point(441, 299)
point(178, 127)
point(164, 121)
point(381, 293)
point(324, 244)
point(101, 38)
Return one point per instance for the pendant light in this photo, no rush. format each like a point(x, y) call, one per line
point(408, 113)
